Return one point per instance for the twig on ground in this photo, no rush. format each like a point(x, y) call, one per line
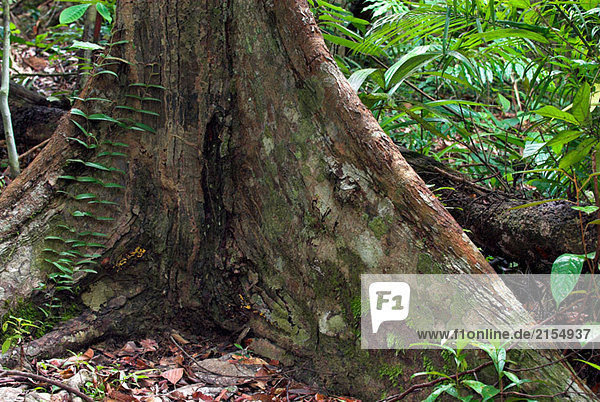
point(37, 377)
point(38, 146)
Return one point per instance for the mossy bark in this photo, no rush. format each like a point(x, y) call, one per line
point(267, 189)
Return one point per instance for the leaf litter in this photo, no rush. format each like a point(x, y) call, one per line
point(169, 369)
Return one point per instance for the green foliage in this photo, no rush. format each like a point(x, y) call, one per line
point(565, 274)
point(487, 85)
point(16, 329)
point(391, 373)
point(71, 14)
point(506, 91)
point(460, 386)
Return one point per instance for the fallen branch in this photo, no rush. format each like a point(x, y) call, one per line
point(38, 146)
point(37, 377)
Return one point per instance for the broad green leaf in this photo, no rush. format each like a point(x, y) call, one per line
point(576, 155)
point(104, 202)
point(581, 103)
point(104, 12)
point(511, 376)
point(144, 127)
point(564, 137)
point(103, 117)
point(78, 112)
point(73, 13)
point(77, 44)
point(588, 209)
point(435, 373)
point(486, 391)
point(532, 148)
point(115, 144)
point(410, 62)
point(437, 392)
point(505, 103)
point(555, 113)
point(501, 360)
point(587, 5)
point(53, 238)
point(6, 344)
point(82, 214)
point(359, 76)
point(98, 166)
point(564, 276)
point(112, 185)
point(107, 72)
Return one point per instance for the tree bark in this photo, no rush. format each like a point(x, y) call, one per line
point(265, 192)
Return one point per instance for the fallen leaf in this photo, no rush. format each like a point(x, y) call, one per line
point(221, 395)
point(130, 348)
point(173, 375)
point(120, 397)
point(81, 358)
point(199, 396)
point(68, 373)
point(149, 345)
point(252, 360)
point(259, 384)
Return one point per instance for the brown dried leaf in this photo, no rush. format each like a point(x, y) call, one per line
point(68, 373)
point(82, 358)
point(199, 396)
point(221, 395)
point(149, 345)
point(173, 375)
point(252, 360)
point(130, 348)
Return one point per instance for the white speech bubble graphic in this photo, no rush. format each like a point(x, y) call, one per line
point(389, 302)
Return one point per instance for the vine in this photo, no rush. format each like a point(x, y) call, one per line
point(73, 248)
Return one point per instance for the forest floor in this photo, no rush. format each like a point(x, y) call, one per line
point(167, 368)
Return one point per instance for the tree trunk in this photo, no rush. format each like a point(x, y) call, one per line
point(265, 192)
